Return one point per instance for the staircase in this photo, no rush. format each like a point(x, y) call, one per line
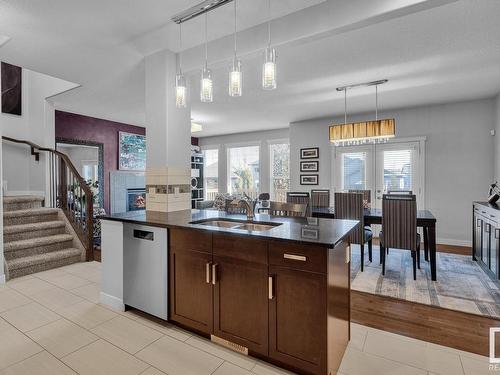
point(36, 238)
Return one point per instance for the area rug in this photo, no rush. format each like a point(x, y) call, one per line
point(461, 284)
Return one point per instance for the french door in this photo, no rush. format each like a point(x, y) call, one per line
point(380, 168)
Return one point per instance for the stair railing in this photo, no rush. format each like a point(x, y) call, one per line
point(67, 191)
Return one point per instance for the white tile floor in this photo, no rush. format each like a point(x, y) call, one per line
point(51, 323)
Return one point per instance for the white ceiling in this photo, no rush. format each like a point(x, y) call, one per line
point(431, 51)
point(444, 54)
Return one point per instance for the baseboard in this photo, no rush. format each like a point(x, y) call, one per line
point(16, 193)
point(112, 302)
point(452, 242)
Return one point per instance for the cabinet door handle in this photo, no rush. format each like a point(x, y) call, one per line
point(214, 273)
point(497, 233)
point(271, 287)
point(348, 254)
point(300, 258)
point(208, 273)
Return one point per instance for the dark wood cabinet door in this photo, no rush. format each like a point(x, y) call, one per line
point(191, 291)
point(494, 250)
point(478, 230)
point(298, 319)
point(241, 303)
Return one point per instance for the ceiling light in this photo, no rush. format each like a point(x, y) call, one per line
point(235, 75)
point(362, 132)
point(206, 84)
point(269, 66)
point(180, 80)
point(195, 127)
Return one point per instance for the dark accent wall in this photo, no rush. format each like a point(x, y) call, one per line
point(85, 128)
point(195, 141)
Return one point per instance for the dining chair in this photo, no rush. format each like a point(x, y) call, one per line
point(300, 197)
point(320, 198)
point(399, 192)
point(350, 206)
point(234, 208)
point(367, 194)
point(287, 209)
point(399, 227)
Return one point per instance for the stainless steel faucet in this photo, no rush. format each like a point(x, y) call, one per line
point(247, 204)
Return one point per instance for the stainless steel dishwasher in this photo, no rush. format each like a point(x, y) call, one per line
point(145, 269)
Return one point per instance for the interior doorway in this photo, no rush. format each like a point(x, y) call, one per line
point(88, 159)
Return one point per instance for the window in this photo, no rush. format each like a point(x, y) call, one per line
point(354, 170)
point(398, 170)
point(211, 173)
point(279, 156)
point(90, 170)
point(380, 168)
point(243, 170)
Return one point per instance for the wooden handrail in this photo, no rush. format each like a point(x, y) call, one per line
point(83, 226)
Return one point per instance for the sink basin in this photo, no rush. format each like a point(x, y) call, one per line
point(219, 223)
point(233, 224)
point(255, 227)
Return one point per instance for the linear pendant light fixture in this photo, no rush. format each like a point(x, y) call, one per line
point(180, 80)
point(269, 66)
point(235, 75)
point(362, 132)
point(206, 83)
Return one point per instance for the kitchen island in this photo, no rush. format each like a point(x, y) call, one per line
point(275, 288)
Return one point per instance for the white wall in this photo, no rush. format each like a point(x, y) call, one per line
point(261, 138)
point(459, 157)
point(21, 172)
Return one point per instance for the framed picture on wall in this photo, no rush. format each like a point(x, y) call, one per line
point(309, 179)
point(309, 166)
point(11, 89)
point(309, 153)
point(131, 152)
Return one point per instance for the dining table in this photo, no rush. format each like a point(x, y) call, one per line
point(425, 220)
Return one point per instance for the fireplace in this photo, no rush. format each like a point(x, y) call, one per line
point(136, 199)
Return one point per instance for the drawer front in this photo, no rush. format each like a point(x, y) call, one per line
point(242, 248)
point(297, 256)
point(190, 239)
point(487, 213)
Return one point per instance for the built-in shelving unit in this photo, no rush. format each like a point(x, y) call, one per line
point(197, 188)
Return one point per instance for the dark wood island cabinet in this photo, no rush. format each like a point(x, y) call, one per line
point(486, 238)
point(285, 302)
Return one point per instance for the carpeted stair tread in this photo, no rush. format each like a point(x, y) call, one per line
point(22, 199)
point(33, 227)
point(37, 242)
point(31, 212)
point(39, 259)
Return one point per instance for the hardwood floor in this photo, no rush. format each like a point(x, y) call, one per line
point(442, 248)
point(438, 325)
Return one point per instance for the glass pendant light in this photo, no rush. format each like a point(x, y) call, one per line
point(235, 75)
point(206, 84)
point(269, 67)
point(180, 80)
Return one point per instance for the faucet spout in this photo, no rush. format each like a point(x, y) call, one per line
point(248, 205)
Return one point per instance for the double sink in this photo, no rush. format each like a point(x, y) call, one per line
point(235, 224)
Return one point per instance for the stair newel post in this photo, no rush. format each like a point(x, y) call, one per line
point(90, 227)
point(63, 181)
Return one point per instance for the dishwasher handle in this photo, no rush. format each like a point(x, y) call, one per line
point(144, 235)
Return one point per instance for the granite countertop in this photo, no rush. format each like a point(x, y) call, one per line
point(324, 232)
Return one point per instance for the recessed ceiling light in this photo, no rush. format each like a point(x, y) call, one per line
point(3, 39)
point(195, 127)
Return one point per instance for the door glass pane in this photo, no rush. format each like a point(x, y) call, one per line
point(398, 170)
point(280, 171)
point(211, 173)
point(354, 170)
point(243, 170)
